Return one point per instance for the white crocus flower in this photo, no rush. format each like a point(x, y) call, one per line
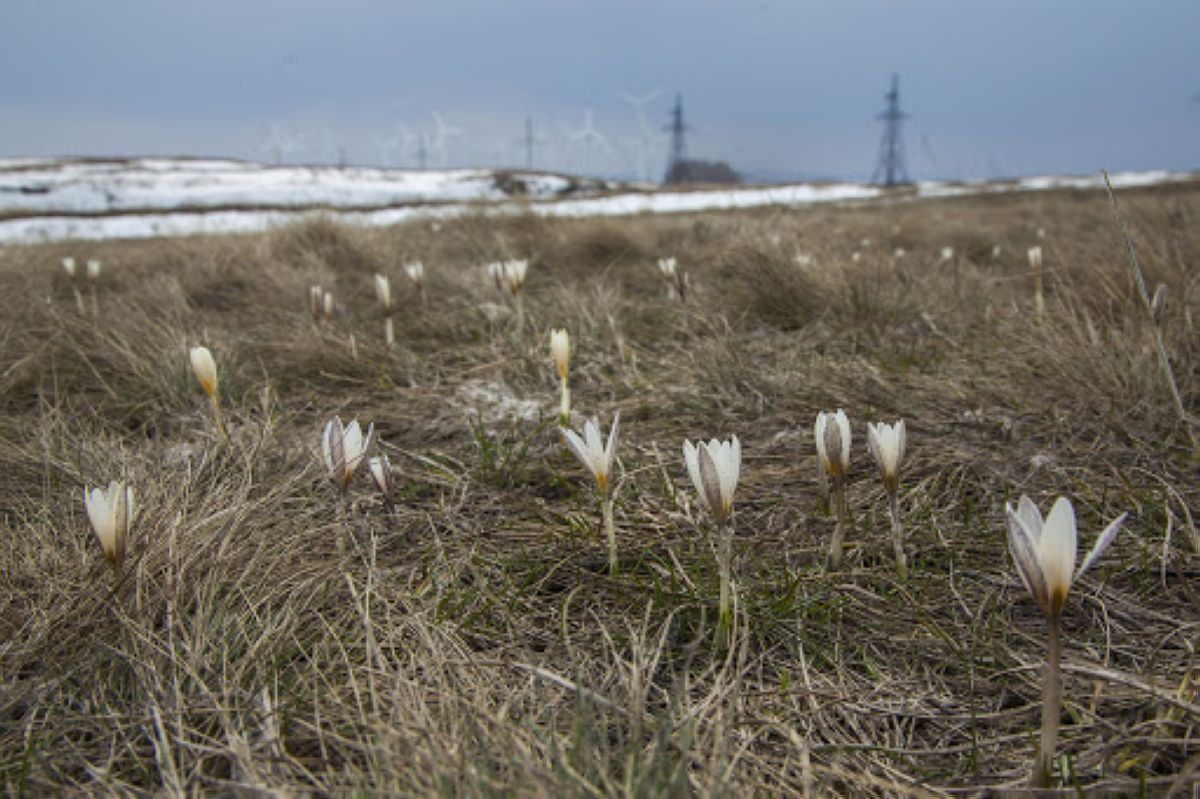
point(495, 271)
point(343, 449)
point(832, 432)
point(600, 459)
point(947, 253)
point(886, 442)
point(560, 351)
point(514, 274)
point(205, 369)
point(1044, 551)
point(383, 291)
point(68, 265)
point(380, 469)
point(316, 302)
point(415, 271)
point(111, 513)
point(714, 468)
point(675, 278)
point(381, 473)
point(94, 268)
point(833, 442)
point(327, 305)
point(1035, 257)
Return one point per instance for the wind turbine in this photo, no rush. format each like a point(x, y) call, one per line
point(277, 142)
point(646, 137)
point(441, 133)
point(591, 140)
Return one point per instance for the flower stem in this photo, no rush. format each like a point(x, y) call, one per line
point(216, 406)
point(520, 302)
point(725, 564)
point(898, 536)
point(564, 414)
point(1051, 704)
point(610, 531)
point(839, 533)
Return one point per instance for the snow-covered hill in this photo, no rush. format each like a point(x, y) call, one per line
point(57, 199)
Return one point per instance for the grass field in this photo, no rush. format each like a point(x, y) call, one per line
point(267, 638)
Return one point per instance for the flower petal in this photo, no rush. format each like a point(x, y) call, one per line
point(1056, 551)
point(691, 458)
point(711, 479)
point(577, 446)
point(1031, 517)
point(1024, 554)
point(1101, 544)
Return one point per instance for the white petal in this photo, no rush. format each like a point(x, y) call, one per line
point(873, 444)
point(1101, 544)
point(1031, 518)
point(710, 478)
point(1024, 554)
point(844, 430)
point(691, 457)
point(1056, 550)
point(591, 435)
point(326, 439)
point(577, 446)
point(610, 451)
point(819, 433)
point(730, 468)
point(100, 514)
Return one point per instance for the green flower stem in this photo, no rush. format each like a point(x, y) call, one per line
point(564, 413)
point(725, 564)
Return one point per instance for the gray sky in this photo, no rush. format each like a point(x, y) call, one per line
point(993, 88)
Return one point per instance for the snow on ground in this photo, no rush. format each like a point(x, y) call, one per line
point(55, 199)
point(165, 184)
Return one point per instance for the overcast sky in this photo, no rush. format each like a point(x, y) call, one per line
point(1009, 87)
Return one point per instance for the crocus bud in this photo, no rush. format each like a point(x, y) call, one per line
point(383, 291)
point(1035, 257)
point(560, 350)
point(886, 442)
point(832, 432)
point(111, 514)
point(206, 369)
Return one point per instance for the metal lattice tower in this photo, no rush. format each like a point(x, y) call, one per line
point(678, 131)
point(891, 148)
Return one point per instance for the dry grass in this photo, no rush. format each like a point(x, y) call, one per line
point(264, 638)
